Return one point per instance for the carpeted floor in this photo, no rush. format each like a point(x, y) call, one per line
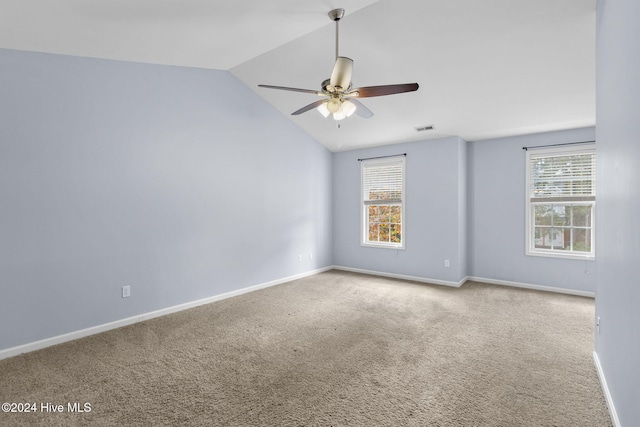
point(335, 349)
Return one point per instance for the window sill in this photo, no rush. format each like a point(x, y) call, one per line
point(382, 246)
point(580, 257)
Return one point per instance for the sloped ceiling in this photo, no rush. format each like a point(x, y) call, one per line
point(486, 68)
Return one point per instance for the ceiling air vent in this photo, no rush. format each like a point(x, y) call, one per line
point(424, 128)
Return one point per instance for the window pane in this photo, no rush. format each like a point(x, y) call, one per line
point(561, 239)
point(373, 232)
point(543, 237)
point(396, 233)
point(373, 214)
point(582, 216)
point(384, 233)
point(543, 215)
point(582, 240)
point(384, 213)
point(396, 214)
point(561, 215)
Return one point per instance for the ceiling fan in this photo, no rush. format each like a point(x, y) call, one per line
point(339, 98)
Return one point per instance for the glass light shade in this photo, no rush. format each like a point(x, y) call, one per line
point(334, 105)
point(322, 108)
point(339, 115)
point(348, 108)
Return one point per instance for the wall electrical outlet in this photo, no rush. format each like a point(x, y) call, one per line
point(126, 291)
point(310, 255)
point(300, 257)
point(598, 323)
point(447, 263)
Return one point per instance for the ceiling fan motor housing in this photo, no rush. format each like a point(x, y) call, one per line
point(328, 88)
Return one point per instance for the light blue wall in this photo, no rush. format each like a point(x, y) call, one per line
point(496, 247)
point(465, 202)
point(618, 227)
point(435, 219)
point(179, 182)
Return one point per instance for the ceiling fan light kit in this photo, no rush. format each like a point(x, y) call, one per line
point(340, 99)
point(339, 109)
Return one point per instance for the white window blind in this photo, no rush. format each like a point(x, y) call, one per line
point(570, 177)
point(383, 182)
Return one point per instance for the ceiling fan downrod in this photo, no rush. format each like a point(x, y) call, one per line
point(336, 15)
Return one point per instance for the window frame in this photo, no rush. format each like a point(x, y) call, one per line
point(572, 201)
point(364, 212)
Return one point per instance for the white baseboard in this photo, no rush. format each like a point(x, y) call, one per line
point(605, 390)
point(59, 339)
point(470, 278)
point(532, 286)
point(402, 276)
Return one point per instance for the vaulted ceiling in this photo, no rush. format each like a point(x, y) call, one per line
point(486, 68)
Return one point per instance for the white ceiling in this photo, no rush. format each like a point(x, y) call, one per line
point(486, 68)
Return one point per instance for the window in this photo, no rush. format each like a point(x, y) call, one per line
point(383, 202)
point(561, 198)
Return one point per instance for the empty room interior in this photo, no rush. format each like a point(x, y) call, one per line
point(319, 212)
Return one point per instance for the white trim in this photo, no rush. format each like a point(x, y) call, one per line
point(402, 276)
point(48, 342)
point(557, 254)
point(532, 286)
point(605, 390)
point(469, 278)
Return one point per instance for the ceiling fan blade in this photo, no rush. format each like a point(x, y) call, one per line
point(292, 89)
point(370, 91)
point(341, 75)
point(309, 107)
point(361, 110)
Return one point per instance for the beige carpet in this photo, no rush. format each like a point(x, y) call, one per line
point(335, 349)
